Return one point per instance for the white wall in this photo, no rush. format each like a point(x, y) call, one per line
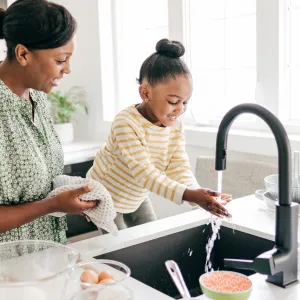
point(3, 4)
point(85, 65)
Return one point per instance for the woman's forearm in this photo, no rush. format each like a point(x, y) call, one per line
point(13, 216)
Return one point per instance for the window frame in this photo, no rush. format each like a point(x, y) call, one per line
point(272, 59)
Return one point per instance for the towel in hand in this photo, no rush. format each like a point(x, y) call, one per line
point(103, 214)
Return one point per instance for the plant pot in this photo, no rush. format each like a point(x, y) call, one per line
point(65, 132)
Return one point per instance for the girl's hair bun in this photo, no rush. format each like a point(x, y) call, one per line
point(173, 49)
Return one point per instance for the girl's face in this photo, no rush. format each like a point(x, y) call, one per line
point(165, 102)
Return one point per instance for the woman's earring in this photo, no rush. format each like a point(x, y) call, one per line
point(146, 100)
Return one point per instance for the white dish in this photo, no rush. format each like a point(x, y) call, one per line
point(271, 184)
point(269, 200)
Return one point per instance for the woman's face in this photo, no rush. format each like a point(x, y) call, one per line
point(45, 68)
point(167, 101)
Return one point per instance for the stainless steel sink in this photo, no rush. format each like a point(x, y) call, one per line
point(187, 248)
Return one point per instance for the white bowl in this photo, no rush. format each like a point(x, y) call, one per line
point(271, 184)
point(118, 270)
point(223, 277)
point(270, 202)
point(31, 269)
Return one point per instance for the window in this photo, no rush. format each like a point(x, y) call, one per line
point(222, 56)
point(238, 51)
point(137, 27)
point(294, 59)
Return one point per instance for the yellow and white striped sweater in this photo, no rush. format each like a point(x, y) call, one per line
point(140, 157)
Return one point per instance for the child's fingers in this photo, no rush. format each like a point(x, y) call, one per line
point(216, 208)
point(213, 193)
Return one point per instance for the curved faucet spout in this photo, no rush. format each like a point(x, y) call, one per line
point(280, 263)
point(283, 145)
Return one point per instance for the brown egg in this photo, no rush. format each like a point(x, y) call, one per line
point(104, 275)
point(107, 281)
point(89, 276)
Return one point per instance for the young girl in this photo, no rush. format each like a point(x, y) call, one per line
point(145, 151)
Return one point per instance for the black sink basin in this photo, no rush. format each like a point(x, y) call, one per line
point(187, 248)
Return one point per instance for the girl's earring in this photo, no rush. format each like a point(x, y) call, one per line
point(146, 100)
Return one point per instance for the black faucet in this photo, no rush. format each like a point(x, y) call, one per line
point(280, 263)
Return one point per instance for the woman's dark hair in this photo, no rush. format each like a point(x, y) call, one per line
point(164, 64)
point(36, 24)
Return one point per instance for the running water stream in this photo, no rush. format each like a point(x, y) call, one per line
point(215, 225)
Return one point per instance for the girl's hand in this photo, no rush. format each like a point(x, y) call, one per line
point(225, 198)
point(206, 198)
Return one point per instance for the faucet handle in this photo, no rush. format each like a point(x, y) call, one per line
point(263, 264)
point(238, 264)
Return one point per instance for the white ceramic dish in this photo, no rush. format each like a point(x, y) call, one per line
point(271, 184)
point(269, 200)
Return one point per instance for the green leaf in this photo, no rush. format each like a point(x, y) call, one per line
point(64, 106)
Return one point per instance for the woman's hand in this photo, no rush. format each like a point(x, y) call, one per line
point(206, 198)
point(68, 201)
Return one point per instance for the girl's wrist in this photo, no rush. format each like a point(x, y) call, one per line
point(188, 195)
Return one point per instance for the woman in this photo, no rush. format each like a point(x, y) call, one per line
point(40, 42)
point(145, 150)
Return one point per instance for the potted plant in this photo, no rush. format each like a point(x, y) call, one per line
point(63, 107)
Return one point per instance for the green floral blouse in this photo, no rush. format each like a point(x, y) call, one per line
point(30, 157)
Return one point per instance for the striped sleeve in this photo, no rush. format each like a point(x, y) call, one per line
point(179, 168)
point(137, 160)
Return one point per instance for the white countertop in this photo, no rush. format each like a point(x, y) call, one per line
point(263, 290)
point(250, 215)
point(80, 151)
